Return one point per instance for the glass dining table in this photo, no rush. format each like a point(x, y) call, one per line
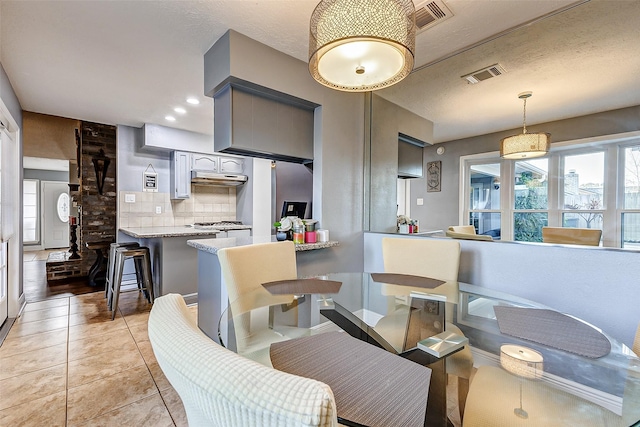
point(530, 365)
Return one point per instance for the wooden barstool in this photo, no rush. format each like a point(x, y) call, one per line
point(141, 256)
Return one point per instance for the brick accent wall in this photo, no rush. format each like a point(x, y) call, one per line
point(98, 219)
point(60, 267)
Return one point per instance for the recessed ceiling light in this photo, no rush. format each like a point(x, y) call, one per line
point(194, 101)
point(179, 110)
point(170, 118)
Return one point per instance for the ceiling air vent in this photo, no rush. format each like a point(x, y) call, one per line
point(491, 71)
point(430, 13)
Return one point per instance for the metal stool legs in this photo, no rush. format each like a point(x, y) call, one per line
point(142, 259)
point(111, 266)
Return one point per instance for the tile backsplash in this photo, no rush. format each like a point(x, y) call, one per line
point(207, 204)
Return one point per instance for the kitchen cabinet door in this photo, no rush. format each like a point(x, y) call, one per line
point(231, 165)
point(180, 179)
point(204, 163)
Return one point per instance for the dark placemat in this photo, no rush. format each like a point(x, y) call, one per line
point(302, 286)
point(407, 280)
point(553, 329)
point(371, 386)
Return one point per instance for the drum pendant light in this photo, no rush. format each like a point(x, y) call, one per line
point(526, 145)
point(362, 45)
point(523, 362)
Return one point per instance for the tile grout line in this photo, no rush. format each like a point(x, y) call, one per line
point(150, 374)
point(148, 369)
point(67, 345)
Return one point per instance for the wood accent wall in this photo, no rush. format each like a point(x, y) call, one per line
point(49, 137)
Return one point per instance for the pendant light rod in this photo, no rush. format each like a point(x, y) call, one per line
point(524, 96)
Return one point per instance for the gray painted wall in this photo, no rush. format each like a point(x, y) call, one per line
point(16, 287)
point(388, 120)
point(294, 183)
point(163, 138)
point(338, 146)
point(10, 98)
point(133, 161)
point(441, 209)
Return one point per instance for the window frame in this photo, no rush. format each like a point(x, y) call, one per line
point(620, 209)
point(613, 187)
point(608, 188)
point(38, 214)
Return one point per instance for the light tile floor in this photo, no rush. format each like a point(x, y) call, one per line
point(66, 363)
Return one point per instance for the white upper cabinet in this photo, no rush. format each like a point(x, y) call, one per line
point(204, 163)
point(231, 165)
point(180, 179)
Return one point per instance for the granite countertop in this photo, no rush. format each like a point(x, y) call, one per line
point(156, 232)
point(213, 245)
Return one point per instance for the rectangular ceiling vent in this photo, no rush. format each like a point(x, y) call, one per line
point(489, 72)
point(430, 13)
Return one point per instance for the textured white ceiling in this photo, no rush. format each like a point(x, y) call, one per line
point(132, 62)
point(579, 62)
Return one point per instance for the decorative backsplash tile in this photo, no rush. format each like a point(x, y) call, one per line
point(207, 204)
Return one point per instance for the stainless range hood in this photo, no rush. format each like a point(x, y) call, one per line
point(219, 179)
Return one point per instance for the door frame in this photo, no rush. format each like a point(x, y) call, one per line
point(15, 292)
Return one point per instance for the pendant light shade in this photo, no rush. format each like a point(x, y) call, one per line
point(523, 362)
point(526, 145)
point(362, 45)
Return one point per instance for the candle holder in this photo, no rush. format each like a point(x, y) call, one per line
point(73, 239)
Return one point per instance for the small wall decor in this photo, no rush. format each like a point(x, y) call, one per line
point(433, 176)
point(100, 165)
point(150, 180)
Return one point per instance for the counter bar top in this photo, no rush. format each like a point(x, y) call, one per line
point(159, 232)
point(213, 245)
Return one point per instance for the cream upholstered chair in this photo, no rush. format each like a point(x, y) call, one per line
point(221, 388)
point(244, 270)
point(572, 236)
point(493, 396)
point(465, 232)
point(437, 259)
point(466, 229)
point(465, 236)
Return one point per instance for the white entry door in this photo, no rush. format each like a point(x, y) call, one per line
point(55, 211)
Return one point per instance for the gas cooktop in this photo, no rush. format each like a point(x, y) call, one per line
point(213, 225)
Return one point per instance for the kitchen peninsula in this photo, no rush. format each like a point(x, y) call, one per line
point(212, 292)
point(174, 263)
